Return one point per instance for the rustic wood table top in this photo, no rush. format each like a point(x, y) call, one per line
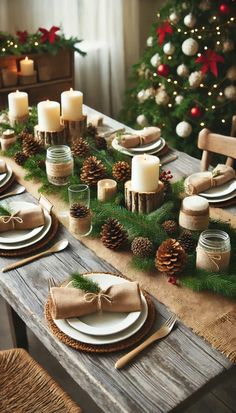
point(168, 376)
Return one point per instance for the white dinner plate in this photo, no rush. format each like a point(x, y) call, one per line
point(7, 176)
point(3, 176)
point(221, 190)
point(221, 198)
point(105, 323)
point(11, 237)
point(63, 325)
point(143, 148)
point(32, 241)
point(130, 152)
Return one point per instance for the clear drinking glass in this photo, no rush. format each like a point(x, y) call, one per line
point(79, 194)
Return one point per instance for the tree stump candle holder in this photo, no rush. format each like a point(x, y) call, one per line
point(27, 80)
point(17, 120)
point(143, 202)
point(74, 129)
point(50, 138)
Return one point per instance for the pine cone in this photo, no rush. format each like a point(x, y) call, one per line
point(20, 158)
point(100, 143)
point(187, 241)
point(121, 171)
point(92, 171)
point(170, 257)
point(170, 226)
point(24, 134)
point(113, 234)
point(30, 146)
point(78, 210)
point(92, 130)
point(41, 164)
point(142, 247)
point(80, 148)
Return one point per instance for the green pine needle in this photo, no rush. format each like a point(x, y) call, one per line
point(84, 283)
point(5, 210)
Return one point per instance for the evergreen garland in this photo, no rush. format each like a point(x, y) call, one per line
point(136, 224)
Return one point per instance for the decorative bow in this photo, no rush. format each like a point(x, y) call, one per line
point(209, 61)
point(22, 36)
point(11, 218)
point(49, 35)
point(90, 297)
point(163, 30)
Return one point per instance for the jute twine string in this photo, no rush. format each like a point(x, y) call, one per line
point(13, 218)
point(90, 297)
point(212, 258)
point(59, 170)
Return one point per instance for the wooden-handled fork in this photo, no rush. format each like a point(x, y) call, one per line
point(163, 331)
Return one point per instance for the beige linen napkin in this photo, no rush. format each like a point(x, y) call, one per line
point(219, 176)
point(3, 167)
point(73, 302)
point(25, 219)
point(145, 136)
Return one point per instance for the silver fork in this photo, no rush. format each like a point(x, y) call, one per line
point(51, 283)
point(163, 331)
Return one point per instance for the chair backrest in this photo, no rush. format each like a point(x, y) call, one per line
point(214, 143)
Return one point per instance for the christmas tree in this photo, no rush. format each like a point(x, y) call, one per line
point(186, 78)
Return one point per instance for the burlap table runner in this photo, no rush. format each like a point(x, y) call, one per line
point(211, 316)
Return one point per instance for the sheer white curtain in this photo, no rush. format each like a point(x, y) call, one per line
point(110, 29)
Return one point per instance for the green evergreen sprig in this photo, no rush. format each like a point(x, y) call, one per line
point(5, 210)
point(84, 283)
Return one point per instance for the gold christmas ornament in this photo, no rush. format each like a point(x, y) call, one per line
point(170, 257)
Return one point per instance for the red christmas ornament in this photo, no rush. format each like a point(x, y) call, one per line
point(209, 62)
point(224, 8)
point(163, 70)
point(195, 112)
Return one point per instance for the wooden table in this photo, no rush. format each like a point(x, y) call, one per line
point(168, 376)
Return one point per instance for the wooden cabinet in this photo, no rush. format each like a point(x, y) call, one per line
point(55, 73)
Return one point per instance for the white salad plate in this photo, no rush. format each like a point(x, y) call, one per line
point(105, 323)
point(221, 190)
point(32, 241)
point(66, 328)
point(221, 198)
point(11, 237)
point(142, 149)
point(7, 177)
point(2, 176)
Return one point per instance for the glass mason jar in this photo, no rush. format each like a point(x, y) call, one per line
point(213, 251)
point(59, 165)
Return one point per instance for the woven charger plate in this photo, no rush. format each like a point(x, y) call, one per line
point(105, 348)
point(35, 247)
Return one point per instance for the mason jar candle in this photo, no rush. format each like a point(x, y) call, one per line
point(213, 251)
point(59, 165)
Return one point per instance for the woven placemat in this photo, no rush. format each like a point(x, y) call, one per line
point(105, 348)
point(35, 247)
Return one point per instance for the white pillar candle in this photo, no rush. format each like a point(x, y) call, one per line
point(145, 173)
point(18, 104)
point(71, 104)
point(27, 67)
point(106, 189)
point(49, 116)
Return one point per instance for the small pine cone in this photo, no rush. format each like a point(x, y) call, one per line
point(100, 143)
point(20, 158)
point(92, 130)
point(80, 148)
point(92, 171)
point(30, 146)
point(170, 226)
point(78, 210)
point(121, 171)
point(41, 164)
point(113, 234)
point(24, 134)
point(187, 241)
point(142, 247)
point(170, 257)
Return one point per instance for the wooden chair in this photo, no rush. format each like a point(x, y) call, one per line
point(214, 143)
point(25, 387)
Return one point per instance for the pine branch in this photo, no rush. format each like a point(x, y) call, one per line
point(84, 283)
point(5, 210)
point(143, 264)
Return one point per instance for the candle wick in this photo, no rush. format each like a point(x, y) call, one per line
point(71, 89)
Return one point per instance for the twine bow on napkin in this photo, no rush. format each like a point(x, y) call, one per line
point(142, 137)
point(74, 302)
point(197, 183)
point(13, 218)
point(29, 218)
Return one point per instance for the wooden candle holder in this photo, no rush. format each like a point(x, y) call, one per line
point(49, 138)
point(74, 128)
point(16, 120)
point(143, 202)
point(27, 80)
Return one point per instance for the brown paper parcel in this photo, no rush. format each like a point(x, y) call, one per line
point(219, 176)
point(73, 302)
point(26, 219)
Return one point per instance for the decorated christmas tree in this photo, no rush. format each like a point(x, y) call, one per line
point(186, 78)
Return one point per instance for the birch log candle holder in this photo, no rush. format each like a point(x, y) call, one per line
point(27, 79)
point(74, 128)
point(143, 202)
point(50, 138)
